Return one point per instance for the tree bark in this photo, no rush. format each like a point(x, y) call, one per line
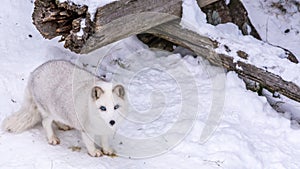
point(124, 18)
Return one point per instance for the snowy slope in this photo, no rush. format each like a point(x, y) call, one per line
point(277, 22)
point(250, 133)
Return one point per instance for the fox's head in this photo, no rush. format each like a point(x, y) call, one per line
point(110, 102)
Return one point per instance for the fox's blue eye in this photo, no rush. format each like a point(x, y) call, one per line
point(116, 106)
point(103, 108)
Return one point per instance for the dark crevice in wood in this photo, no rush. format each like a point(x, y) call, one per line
point(156, 42)
point(235, 12)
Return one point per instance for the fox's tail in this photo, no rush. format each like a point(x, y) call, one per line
point(25, 118)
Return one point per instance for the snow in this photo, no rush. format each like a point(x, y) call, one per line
point(227, 2)
point(289, 108)
point(249, 132)
point(273, 25)
point(82, 26)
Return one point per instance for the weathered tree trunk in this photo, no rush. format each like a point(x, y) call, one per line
point(124, 18)
point(54, 19)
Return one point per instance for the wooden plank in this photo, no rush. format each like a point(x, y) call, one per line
point(203, 3)
point(124, 27)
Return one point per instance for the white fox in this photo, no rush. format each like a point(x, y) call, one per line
point(60, 92)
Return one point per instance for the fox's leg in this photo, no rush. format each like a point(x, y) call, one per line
point(47, 124)
point(47, 121)
point(90, 145)
point(107, 150)
point(62, 126)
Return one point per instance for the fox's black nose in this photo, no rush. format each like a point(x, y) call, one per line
point(112, 122)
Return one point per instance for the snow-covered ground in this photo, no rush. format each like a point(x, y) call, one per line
point(161, 87)
point(268, 18)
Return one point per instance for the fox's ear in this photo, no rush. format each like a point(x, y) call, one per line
point(119, 91)
point(96, 92)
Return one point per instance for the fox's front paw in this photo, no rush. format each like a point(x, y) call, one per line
point(95, 153)
point(108, 151)
point(54, 140)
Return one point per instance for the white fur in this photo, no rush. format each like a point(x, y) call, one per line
point(60, 91)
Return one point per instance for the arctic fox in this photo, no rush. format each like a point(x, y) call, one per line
point(60, 92)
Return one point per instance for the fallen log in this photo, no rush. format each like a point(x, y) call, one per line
point(204, 47)
point(124, 18)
